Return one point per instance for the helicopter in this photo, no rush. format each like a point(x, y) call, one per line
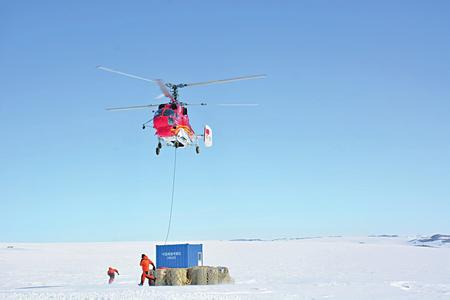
point(171, 120)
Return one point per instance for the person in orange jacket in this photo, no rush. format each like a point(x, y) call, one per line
point(112, 273)
point(145, 264)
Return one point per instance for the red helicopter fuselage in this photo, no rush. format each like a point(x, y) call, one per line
point(170, 120)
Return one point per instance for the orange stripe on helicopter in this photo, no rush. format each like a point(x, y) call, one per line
point(186, 128)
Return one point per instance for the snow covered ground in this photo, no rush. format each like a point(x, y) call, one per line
point(317, 268)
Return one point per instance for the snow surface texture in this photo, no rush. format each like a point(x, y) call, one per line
point(379, 267)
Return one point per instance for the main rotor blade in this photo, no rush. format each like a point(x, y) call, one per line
point(223, 104)
point(132, 107)
point(159, 82)
point(226, 80)
point(238, 104)
point(195, 104)
point(163, 89)
point(125, 74)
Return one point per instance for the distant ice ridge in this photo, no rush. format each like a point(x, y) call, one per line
point(283, 239)
point(436, 240)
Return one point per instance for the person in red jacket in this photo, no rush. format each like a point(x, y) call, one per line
point(112, 273)
point(145, 264)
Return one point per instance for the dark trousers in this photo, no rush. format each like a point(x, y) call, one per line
point(111, 277)
point(149, 276)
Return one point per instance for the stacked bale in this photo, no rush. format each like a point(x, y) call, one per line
point(194, 276)
point(198, 275)
point(161, 277)
point(212, 275)
point(176, 276)
point(224, 275)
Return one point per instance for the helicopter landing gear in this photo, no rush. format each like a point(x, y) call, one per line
point(158, 148)
point(197, 149)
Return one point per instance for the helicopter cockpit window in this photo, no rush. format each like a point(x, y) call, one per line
point(169, 113)
point(158, 112)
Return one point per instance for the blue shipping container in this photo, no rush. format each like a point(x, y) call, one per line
point(179, 255)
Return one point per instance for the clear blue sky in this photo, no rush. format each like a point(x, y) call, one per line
point(352, 135)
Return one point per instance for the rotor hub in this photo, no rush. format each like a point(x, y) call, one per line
point(174, 88)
